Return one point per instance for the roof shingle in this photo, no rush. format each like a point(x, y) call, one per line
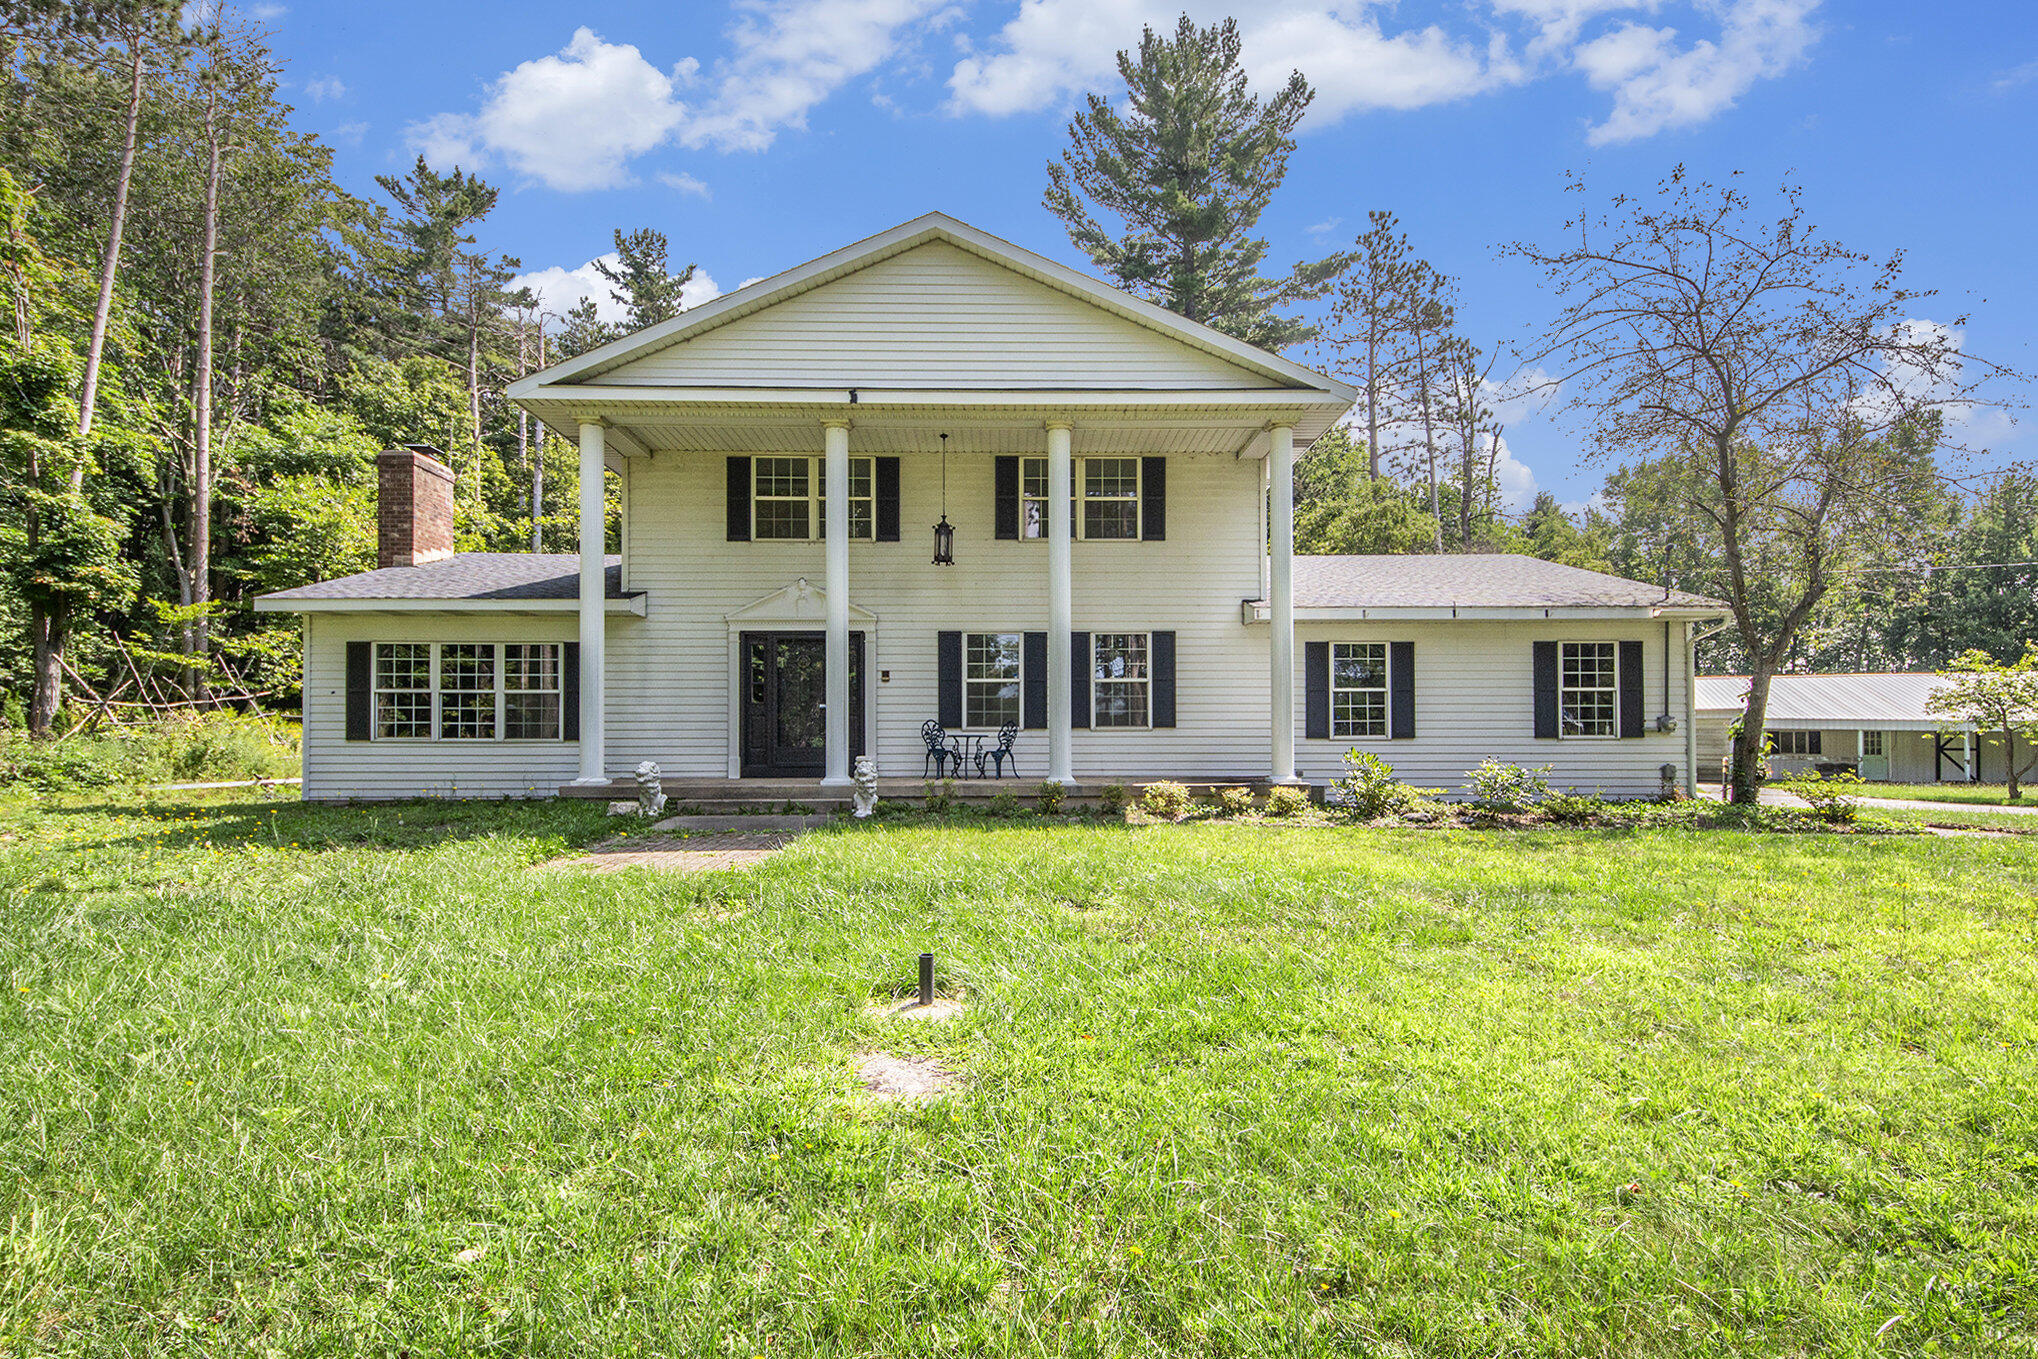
point(464, 576)
point(1474, 581)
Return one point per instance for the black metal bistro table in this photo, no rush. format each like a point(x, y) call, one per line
point(968, 749)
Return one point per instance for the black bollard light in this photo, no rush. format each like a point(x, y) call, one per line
point(926, 979)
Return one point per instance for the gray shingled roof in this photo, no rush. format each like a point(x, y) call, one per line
point(465, 575)
point(1473, 581)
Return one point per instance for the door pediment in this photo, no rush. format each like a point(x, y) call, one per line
point(800, 603)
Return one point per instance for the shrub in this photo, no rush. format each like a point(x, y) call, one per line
point(1235, 801)
point(1166, 800)
point(1283, 800)
point(1500, 787)
point(1111, 799)
point(1369, 789)
point(941, 796)
point(1048, 797)
point(1574, 809)
point(1831, 796)
point(1003, 804)
point(219, 747)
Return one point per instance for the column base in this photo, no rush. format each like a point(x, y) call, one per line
point(588, 781)
point(1292, 781)
point(844, 781)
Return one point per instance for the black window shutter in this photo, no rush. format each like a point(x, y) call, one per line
point(1630, 688)
point(1161, 657)
point(360, 690)
point(886, 473)
point(569, 689)
point(948, 676)
point(1079, 679)
point(1005, 513)
point(1546, 690)
point(1033, 700)
point(739, 500)
point(1316, 690)
point(1401, 690)
point(1153, 499)
point(856, 704)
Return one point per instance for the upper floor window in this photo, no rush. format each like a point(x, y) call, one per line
point(789, 499)
point(1358, 689)
point(992, 664)
point(1588, 696)
point(1103, 498)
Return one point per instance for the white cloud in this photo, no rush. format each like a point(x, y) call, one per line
point(789, 55)
point(265, 13)
point(1054, 50)
point(559, 288)
point(2015, 76)
point(324, 88)
point(684, 183)
point(571, 121)
point(347, 134)
point(1657, 86)
point(1514, 480)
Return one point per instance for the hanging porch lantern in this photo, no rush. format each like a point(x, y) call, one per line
point(944, 532)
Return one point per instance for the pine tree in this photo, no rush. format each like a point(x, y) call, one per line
point(639, 279)
point(1188, 170)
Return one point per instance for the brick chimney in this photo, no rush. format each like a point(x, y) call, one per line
point(413, 506)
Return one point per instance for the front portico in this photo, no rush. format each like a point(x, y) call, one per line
point(924, 396)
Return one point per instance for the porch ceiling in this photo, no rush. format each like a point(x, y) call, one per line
point(1233, 423)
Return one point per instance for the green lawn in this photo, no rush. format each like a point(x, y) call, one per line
point(267, 1072)
point(1980, 794)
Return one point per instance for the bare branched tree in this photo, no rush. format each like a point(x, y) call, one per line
point(1786, 379)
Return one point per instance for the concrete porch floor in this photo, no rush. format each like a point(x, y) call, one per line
point(773, 794)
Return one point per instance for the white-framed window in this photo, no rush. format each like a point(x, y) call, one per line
point(1120, 682)
point(993, 668)
point(1588, 693)
point(468, 691)
point(1871, 744)
point(789, 499)
point(1358, 689)
point(1794, 742)
point(1103, 498)
point(403, 690)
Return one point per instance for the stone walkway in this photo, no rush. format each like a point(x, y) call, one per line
point(680, 854)
point(1777, 797)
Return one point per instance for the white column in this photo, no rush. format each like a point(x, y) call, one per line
point(836, 471)
point(1967, 755)
point(1060, 611)
point(593, 621)
point(1281, 602)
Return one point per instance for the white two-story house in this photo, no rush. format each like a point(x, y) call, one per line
point(936, 478)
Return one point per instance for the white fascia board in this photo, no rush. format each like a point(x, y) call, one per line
point(593, 397)
point(1409, 613)
point(927, 227)
point(633, 604)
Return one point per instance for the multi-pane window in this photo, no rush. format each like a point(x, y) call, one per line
point(530, 691)
point(991, 669)
point(1871, 744)
point(469, 691)
point(1119, 688)
point(1103, 498)
point(1110, 500)
point(790, 499)
point(403, 689)
point(1798, 742)
point(1358, 689)
point(1589, 689)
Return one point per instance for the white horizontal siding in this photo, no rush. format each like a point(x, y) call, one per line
point(1475, 698)
point(335, 767)
point(1911, 754)
point(934, 316)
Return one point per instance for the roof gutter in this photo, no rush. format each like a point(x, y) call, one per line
point(629, 604)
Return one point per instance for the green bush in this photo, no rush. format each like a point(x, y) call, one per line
point(205, 748)
point(1111, 799)
point(1048, 797)
point(1004, 804)
point(940, 796)
point(1369, 789)
point(1575, 809)
point(1283, 800)
point(1166, 800)
point(1235, 801)
point(1830, 796)
point(1497, 786)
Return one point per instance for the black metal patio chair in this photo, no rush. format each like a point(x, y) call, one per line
point(938, 753)
point(1000, 753)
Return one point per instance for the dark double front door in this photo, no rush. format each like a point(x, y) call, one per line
point(785, 704)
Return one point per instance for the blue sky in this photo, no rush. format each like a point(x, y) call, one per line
point(759, 134)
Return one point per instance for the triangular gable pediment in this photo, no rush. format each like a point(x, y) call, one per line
point(931, 304)
point(799, 602)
